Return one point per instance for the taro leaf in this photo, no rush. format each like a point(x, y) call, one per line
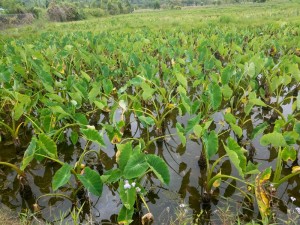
point(114, 176)
point(59, 110)
point(125, 216)
point(237, 130)
point(47, 146)
point(262, 197)
point(296, 169)
point(123, 154)
point(250, 69)
point(275, 139)
point(259, 129)
point(297, 127)
point(257, 101)
point(159, 167)
point(61, 177)
point(93, 135)
point(100, 104)
point(147, 91)
point(298, 101)
point(251, 168)
point(91, 180)
point(294, 71)
point(29, 154)
point(74, 137)
point(107, 86)
point(180, 133)
point(127, 196)
point(227, 92)
point(146, 121)
point(226, 75)
point(136, 166)
point(229, 118)
point(290, 137)
point(81, 118)
point(211, 144)
point(198, 130)
point(186, 102)
point(215, 95)
point(236, 156)
point(288, 153)
point(192, 122)
point(181, 79)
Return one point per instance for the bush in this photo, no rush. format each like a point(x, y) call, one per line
point(96, 12)
point(36, 12)
point(63, 12)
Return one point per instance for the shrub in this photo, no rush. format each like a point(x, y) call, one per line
point(63, 12)
point(36, 12)
point(96, 12)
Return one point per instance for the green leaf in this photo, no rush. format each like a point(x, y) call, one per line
point(123, 154)
point(226, 75)
point(198, 130)
point(147, 91)
point(47, 146)
point(298, 101)
point(74, 137)
point(250, 69)
point(29, 154)
point(127, 196)
point(289, 153)
point(107, 86)
point(294, 71)
point(259, 129)
point(297, 127)
point(180, 133)
point(146, 121)
point(61, 177)
point(227, 92)
point(93, 135)
point(237, 130)
point(181, 79)
point(59, 110)
point(211, 143)
point(251, 168)
point(125, 216)
point(275, 139)
point(91, 180)
point(256, 101)
point(192, 122)
point(229, 118)
point(136, 166)
point(114, 176)
point(215, 94)
point(159, 167)
point(290, 137)
point(236, 156)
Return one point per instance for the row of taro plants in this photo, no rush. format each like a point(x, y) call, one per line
point(57, 88)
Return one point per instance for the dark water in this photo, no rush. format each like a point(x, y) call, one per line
point(186, 186)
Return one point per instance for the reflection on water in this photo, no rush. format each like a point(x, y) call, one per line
point(187, 181)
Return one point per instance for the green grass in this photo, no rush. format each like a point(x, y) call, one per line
point(242, 14)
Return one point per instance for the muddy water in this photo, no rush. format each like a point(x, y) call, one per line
point(186, 186)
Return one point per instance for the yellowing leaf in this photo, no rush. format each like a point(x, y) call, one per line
point(296, 169)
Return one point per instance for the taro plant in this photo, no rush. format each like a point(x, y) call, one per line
point(282, 139)
point(210, 141)
point(133, 166)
